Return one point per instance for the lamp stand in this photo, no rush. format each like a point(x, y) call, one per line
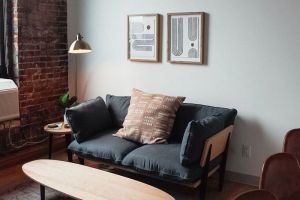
point(76, 76)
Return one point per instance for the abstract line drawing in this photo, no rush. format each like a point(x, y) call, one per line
point(177, 36)
point(193, 53)
point(193, 23)
point(143, 36)
point(137, 27)
point(185, 37)
point(143, 45)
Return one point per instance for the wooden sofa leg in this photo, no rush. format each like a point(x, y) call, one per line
point(223, 166)
point(204, 178)
point(221, 178)
point(203, 187)
point(81, 160)
point(70, 156)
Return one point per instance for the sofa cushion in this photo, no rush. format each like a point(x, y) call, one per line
point(188, 112)
point(104, 146)
point(150, 117)
point(118, 108)
point(195, 136)
point(88, 118)
point(163, 160)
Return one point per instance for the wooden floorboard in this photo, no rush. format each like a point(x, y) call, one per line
point(12, 177)
point(29, 153)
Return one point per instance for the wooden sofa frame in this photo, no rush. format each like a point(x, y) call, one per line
point(214, 146)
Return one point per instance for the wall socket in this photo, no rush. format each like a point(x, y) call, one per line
point(246, 151)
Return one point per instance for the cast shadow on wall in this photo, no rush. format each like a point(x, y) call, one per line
point(206, 38)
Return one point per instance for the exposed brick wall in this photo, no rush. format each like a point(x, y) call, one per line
point(41, 59)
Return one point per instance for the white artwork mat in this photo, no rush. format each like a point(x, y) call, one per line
point(185, 43)
point(142, 37)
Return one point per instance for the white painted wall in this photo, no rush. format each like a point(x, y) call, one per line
point(253, 64)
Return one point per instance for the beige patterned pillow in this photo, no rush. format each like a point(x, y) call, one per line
point(150, 117)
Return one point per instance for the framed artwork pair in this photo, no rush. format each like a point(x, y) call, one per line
point(185, 37)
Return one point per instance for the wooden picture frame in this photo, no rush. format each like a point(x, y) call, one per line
point(188, 47)
point(144, 37)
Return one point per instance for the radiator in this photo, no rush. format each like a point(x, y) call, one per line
point(9, 100)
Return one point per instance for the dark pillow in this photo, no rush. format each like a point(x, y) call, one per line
point(118, 108)
point(88, 118)
point(194, 138)
point(188, 112)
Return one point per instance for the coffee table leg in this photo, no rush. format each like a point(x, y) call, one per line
point(50, 145)
point(68, 141)
point(70, 156)
point(42, 190)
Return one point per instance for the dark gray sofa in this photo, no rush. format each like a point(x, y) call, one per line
point(162, 160)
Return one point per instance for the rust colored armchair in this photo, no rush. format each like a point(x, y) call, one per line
point(256, 195)
point(292, 143)
point(281, 176)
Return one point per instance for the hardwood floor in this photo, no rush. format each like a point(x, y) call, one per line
point(12, 181)
point(30, 152)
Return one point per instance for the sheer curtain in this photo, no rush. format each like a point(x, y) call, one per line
point(6, 52)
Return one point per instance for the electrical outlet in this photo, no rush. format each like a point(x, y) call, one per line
point(246, 151)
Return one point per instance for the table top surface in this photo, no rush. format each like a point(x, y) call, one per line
point(82, 182)
point(58, 130)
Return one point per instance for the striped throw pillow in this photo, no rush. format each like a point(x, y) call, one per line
point(150, 117)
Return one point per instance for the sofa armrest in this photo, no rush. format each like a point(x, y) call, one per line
point(218, 144)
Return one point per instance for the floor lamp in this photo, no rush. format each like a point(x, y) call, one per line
point(79, 47)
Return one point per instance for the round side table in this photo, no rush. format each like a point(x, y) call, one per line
point(62, 130)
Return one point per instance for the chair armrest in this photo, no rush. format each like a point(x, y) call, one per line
point(218, 144)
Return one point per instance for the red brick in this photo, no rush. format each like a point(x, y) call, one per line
point(41, 43)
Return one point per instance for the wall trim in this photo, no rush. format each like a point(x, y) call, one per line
point(242, 178)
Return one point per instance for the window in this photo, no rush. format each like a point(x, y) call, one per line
point(3, 71)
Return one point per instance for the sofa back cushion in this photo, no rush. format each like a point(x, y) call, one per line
point(195, 136)
point(118, 108)
point(87, 118)
point(188, 112)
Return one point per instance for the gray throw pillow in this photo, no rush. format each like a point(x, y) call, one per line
point(88, 118)
point(195, 136)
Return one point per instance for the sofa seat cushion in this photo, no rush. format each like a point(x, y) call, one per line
point(104, 146)
point(162, 160)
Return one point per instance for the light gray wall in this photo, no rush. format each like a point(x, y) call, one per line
point(253, 64)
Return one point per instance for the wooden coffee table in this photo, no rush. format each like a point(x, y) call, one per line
point(82, 182)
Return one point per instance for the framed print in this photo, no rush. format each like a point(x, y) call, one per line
point(185, 37)
point(144, 37)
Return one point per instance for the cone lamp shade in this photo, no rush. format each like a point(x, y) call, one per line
point(79, 46)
